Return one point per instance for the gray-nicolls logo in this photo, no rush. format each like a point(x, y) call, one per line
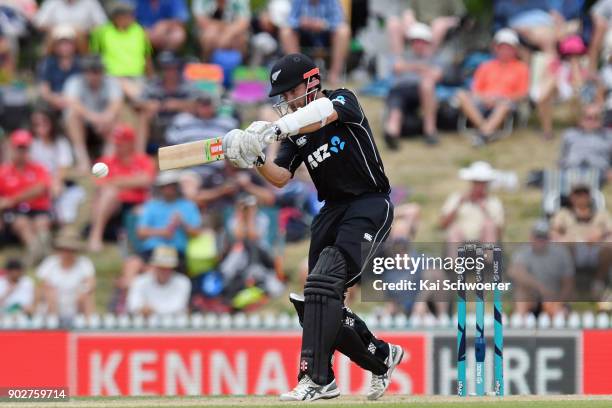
point(275, 75)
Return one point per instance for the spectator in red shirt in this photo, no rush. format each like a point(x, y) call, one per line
point(25, 199)
point(498, 86)
point(127, 185)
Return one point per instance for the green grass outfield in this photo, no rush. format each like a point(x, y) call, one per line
point(391, 401)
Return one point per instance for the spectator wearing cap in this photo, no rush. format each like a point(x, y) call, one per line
point(498, 86)
point(55, 69)
point(441, 16)
point(94, 101)
point(82, 15)
point(125, 49)
point(542, 274)
point(567, 78)
point(163, 98)
point(25, 196)
point(161, 290)
point(318, 24)
point(51, 149)
point(589, 145)
point(586, 229)
point(201, 121)
point(541, 23)
point(164, 21)
point(222, 25)
point(474, 215)
point(67, 278)
point(131, 175)
point(16, 289)
point(417, 74)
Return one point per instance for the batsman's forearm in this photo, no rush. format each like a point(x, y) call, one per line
point(275, 175)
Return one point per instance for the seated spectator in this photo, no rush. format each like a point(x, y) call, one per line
point(542, 274)
point(163, 99)
point(265, 28)
point(82, 15)
point(589, 145)
point(127, 185)
point(566, 78)
point(25, 199)
point(474, 215)
point(498, 86)
point(51, 149)
point(542, 23)
point(164, 21)
point(169, 220)
point(249, 260)
point(606, 82)
point(417, 75)
point(585, 228)
point(441, 16)
point(162, 290)
point(16, 289)
point(202, 121)
point(67, 279)
point(8, 63)
point(61, 63)
point(319, 24)
point(222, 25)
point(125, 49)
point(601, 16)
point(94, 101)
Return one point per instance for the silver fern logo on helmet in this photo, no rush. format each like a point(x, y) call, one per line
point(275, 75)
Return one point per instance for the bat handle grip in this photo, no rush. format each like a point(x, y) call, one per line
point(276, 136)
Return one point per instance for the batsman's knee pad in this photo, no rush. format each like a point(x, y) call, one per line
point(328, 276)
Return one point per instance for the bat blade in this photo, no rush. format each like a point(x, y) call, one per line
point(190, 154)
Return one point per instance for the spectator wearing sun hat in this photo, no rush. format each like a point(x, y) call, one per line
point(130, 177)
point(498, 86)
point(67, 278)
point(25, 196)
point(417, 74)
point(161, 290)
point(55, 69)
point(474, 215)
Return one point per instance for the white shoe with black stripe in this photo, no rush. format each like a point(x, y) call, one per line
point(308, 390)
point(380, 383)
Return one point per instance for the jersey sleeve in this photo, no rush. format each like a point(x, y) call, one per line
point(288, 156)
point(346, 105)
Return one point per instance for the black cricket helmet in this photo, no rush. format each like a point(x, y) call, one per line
point(290, 71)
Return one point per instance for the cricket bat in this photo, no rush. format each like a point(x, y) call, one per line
point(199, 152)
point(191, 154)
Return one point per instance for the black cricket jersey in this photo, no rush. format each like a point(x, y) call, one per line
point(341, 157)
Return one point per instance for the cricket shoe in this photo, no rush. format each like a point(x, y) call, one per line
point(380, 383)
point(308, 390)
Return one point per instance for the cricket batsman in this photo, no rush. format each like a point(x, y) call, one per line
point(328, 132)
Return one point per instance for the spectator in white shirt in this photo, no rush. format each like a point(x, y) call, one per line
point(16, 289)
point(160, 291)
point(68, 279)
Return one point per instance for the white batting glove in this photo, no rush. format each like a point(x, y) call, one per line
point(232, 142)
point(251, 148)
point(265, 131)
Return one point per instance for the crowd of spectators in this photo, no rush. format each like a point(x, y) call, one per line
point(112, 85)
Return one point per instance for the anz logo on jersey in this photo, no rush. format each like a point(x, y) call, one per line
point(325, 151)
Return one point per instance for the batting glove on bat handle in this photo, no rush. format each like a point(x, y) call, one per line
point(275, 136)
